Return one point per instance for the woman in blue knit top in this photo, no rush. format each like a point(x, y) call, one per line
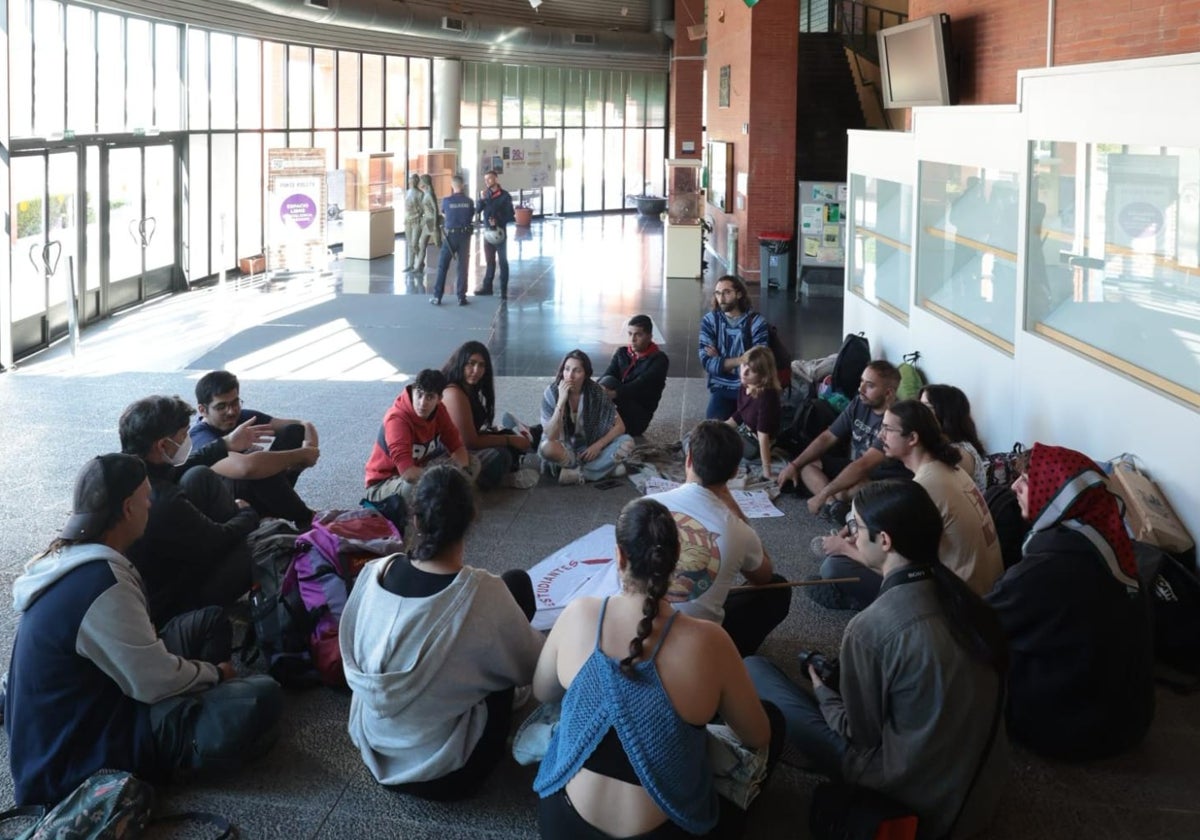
point(638, 682)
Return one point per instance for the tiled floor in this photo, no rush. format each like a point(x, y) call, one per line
point(334, 349)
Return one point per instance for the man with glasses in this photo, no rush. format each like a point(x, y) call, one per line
point(723, 343)
point(265, 477)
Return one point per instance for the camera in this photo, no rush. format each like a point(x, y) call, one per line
point(827, 667)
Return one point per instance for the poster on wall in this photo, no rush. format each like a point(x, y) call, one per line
point(1141, 214)
point(521, 164)
point(297, 209)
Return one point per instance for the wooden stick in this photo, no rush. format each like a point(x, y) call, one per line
point(789, 584)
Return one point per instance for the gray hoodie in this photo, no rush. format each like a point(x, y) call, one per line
point(421, 669)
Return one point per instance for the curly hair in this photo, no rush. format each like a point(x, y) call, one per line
point(739, 286)
point(649, 541)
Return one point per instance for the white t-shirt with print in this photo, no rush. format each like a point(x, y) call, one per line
point(715, 546)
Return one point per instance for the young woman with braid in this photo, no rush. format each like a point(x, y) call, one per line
point(628, 758)
point(433, 650)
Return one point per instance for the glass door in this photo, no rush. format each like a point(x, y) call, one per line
point(45, 207)
point(139, 199)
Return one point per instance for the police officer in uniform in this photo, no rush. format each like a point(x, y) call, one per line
point(459, 213)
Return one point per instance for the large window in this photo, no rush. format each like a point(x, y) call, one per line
point(881, 219)
point(1113, 267)
point(967, 249)
point(610, 127)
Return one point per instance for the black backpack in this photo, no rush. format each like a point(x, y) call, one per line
point(851, 361)
point(783, 356)
point(1011, 527)
point(814, 416)
point(1174, 591)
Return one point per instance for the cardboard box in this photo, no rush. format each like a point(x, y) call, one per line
point(1147, 511)
point(253, 265)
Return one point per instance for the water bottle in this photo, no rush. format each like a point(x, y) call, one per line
point(266, 620)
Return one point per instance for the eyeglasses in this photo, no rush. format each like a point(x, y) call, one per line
point(852, 526)
point(895, 430)
point(222, 407)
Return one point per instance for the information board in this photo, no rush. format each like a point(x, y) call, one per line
point(523, 164)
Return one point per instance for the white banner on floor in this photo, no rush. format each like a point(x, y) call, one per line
point(584, 568)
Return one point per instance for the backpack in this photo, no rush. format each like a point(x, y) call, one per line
point(327, 562)
point(107, 805)
point(1011, 527)
point(851, 361)
point(272, 549)
point(814, 416)
point(1002, 468)
point(1174, 591)
point(783, 356)
point(911, 380)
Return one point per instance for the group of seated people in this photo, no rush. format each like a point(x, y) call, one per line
point(122, 656)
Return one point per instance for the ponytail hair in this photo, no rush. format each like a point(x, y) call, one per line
point(649, 541)
point(443, 508)
point(915, 416)
point(905, 511)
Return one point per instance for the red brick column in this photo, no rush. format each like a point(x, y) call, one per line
point(687, 82)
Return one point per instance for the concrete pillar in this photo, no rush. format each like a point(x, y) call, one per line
point(447, 103)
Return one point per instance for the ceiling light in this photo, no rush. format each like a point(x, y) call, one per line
point(535, 3)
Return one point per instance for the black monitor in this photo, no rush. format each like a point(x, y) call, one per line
point(916, 64)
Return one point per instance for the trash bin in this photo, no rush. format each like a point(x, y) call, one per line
point(775, 258)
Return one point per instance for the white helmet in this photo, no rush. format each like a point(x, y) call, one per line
point(494, 235)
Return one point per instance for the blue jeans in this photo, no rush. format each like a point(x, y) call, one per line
point(602, 465)
point(807, 730)
point(454, 246)
point(722, 402)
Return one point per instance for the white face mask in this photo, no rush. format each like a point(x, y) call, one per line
point(182, 450)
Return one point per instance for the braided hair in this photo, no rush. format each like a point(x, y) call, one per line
point(649, 541)
point(444, 508)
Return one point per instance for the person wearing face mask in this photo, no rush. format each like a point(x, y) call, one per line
point(194, 553)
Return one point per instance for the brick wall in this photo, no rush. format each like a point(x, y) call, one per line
point(759, 45)
point(687, 82)
point(996, 38)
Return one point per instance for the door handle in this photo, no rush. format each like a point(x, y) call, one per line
point(146, 228)
point(48, 266)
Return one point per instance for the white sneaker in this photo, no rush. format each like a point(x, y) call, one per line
point(521, 479)
point(619, 470)
point(570, 476)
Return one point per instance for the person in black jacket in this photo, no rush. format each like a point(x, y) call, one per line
point(496, 206)
point(1076, 616)
point(194, 553)
point(636, 376)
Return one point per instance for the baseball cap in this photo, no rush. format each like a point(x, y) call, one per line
point(103, 484)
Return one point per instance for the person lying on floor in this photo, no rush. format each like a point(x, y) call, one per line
point(1076, 615)
point(969, 547)
point(92, 685)
point(917, 713)
point(638, 682)
point(583, 436)
point(433, 650)
point(470, 398)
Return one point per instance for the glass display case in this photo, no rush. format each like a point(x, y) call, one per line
point(368, 182)
point(685, 200)
point(880, 257)
point(968, 218)
point(1113, 264)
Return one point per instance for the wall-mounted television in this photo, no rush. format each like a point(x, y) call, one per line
point(916, 63)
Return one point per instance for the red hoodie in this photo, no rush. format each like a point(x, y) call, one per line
point(406, 439)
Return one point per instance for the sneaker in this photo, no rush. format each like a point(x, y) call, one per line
point(521, 479)
point(619, 470)
point(435, 301)
point(817, 548)
point(569, 476)
point(836, 511)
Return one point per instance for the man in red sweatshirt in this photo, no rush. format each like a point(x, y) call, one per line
point(417, 433)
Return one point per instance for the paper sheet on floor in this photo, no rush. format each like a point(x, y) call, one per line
point(756, 504)
point(583, 568)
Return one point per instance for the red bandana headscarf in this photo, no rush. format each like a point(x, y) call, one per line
point(1067, 488)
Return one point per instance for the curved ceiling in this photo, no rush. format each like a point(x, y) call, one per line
point(625, 34)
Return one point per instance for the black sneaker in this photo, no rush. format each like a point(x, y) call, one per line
point(836, 511)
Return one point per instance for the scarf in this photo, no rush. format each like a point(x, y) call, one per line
point(634, 358)
point(1067, 488)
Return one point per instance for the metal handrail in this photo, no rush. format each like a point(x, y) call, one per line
point(858, 22)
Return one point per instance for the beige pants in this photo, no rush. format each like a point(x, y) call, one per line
point(407, 489)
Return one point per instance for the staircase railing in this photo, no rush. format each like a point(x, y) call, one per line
point(816, 15)
point(858, 22)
